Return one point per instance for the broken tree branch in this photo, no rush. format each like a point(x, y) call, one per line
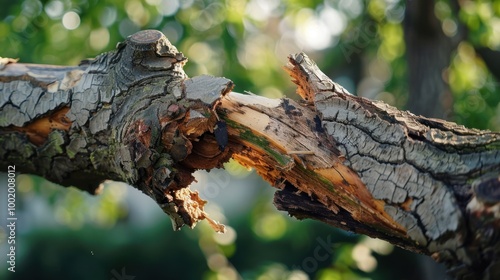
point(129, 115)
point(133, 115)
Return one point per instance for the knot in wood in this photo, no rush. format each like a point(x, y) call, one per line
point(145, 38)
point(151, 41)
point(153, 51)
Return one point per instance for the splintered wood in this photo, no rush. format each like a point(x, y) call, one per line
point(367, 167)
point(284, 144)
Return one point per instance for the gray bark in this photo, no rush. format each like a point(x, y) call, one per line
point(132, 115)
point(438, 180)
point(120, 121)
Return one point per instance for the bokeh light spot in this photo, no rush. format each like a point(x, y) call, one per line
point(136, 12)
point(99, 39)
point(361, 254)
point(127, 27)
point(270, 226)
point(54, 9)
point(449, 27)
point(353, 8)
point(227, 237)
point(173, 31)
point(108, 16)
point(334, 20)
point(71, 20)
point(200, 52)
point(261, 10)
point(20, 23)
point(216, 261)
point(25, 183)
point(379, 246)
point(168, 7)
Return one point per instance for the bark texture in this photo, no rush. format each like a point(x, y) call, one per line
point(435, 179)
point(127, 115)
point(132, 115)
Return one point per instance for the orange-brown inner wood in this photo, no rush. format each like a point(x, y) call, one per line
point(39, 130)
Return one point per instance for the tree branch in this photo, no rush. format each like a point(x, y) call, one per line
point(132, 115)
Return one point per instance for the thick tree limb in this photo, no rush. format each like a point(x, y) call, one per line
point(436, 179)
point(132, 115)
point(128, 115)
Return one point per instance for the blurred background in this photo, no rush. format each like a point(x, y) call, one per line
point(434, 58)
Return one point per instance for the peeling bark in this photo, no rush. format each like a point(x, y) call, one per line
point(133, 115)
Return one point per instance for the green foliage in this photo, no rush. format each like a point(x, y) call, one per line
point(76, 209)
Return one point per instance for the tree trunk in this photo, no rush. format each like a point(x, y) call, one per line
point(429, 53)
point(132, 115)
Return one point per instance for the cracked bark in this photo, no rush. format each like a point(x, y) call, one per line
point(133, 115)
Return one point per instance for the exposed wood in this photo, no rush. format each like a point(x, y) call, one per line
point(272, 131)
point(132, 115)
